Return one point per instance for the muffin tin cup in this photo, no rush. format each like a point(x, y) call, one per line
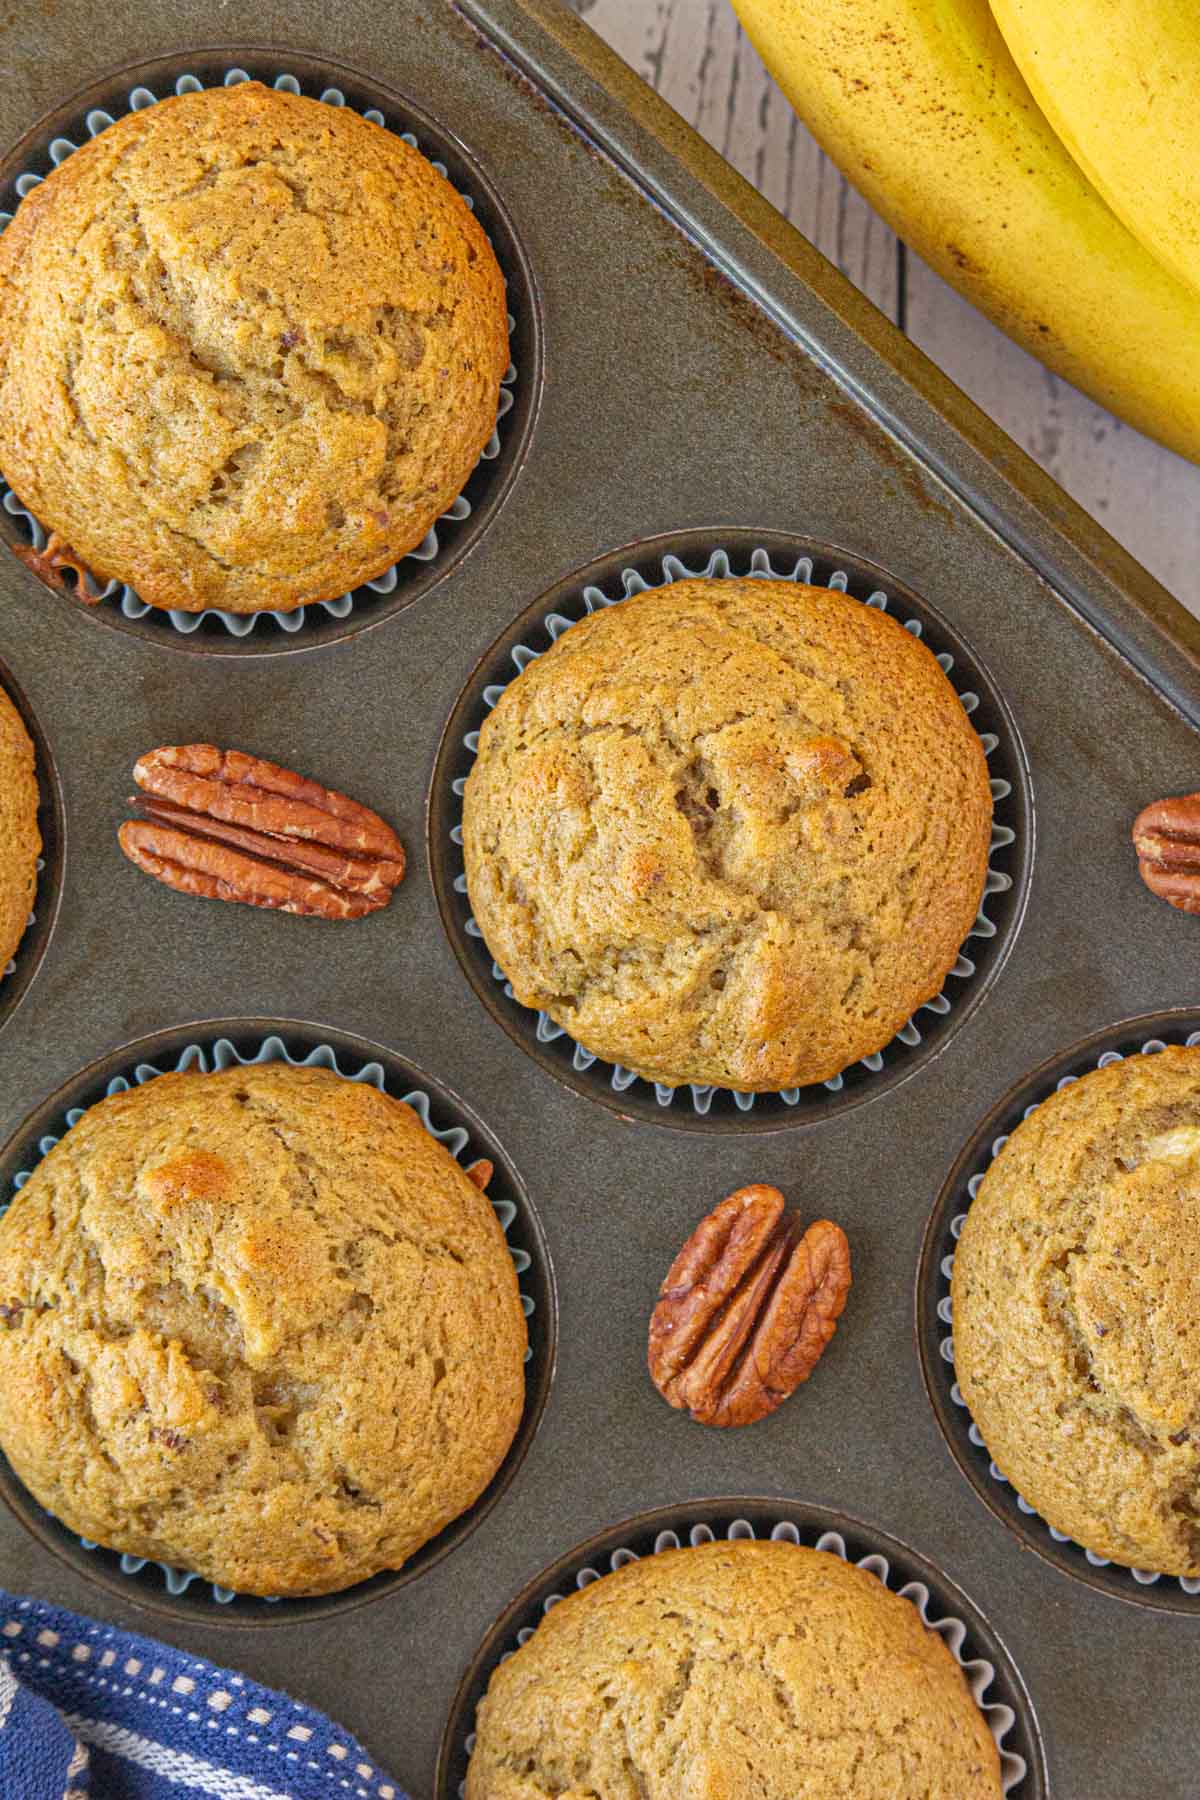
point(1132, 1037)
point(221, 1043)
point(989, 1669)
point(749, 554)
point(17, 975)
point(455, 533)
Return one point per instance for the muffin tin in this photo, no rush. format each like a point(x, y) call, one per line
point(219, 1044)
point(985, 1662)
point(745, 555)
point(56, 136)
point(1133, 1037)
point(706, 374)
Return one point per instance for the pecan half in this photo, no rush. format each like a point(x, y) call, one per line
point(1166, 836)
point(746, 1309)
point(227, 826)
point(48, 565)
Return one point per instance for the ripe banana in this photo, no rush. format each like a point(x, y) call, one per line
point(1119, 80)
point(923, 108)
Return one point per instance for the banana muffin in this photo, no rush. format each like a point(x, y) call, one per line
point(729, 832)
point(260, 1325)
point(1076, 1307)
point(20, 839)
point(733, 1671)
point(250, 349)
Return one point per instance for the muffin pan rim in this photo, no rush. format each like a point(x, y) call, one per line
point(1031, 1531)
point(527, 350)
point(799, 400)
point(519, 1023)
point(810, 1517)
point(35, 943)
point(20, 1151)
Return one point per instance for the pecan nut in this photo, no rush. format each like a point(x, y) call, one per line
point(227, 826)
point(746, 1309)
point(1166, 836)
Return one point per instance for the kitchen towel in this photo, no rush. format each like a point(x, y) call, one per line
point(88, 1712)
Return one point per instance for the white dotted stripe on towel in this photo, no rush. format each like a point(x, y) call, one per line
point(997, 881)
point(219, 1699)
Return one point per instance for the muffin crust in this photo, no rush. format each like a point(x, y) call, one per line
point(250, 349)
point(1076, 1307)
point(733, 1671)
point(257, 1324)
point(728, 831)
point(20, 838)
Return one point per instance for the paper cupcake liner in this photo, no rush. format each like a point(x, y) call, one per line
point(981, 1674)
point(1144, 1578)
point(10, 967)
point(240, 625)
point(1004, 836)
point(224, 1055)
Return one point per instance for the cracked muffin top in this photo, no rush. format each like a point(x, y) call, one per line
point(20, 838)
point(250, 349)
point(733, 1671)
point(1076, 1306)
point(257, 1324)
point(729, 832)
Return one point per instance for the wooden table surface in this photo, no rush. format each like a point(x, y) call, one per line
point(696, 55)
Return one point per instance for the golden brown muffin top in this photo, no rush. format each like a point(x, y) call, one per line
point(250, 349)
point(733, 1671)
point(20, 838)
point(729, 831)
point(1076, 1306)
point(257, 1324)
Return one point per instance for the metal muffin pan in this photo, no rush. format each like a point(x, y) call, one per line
point(174, 1593)
point(705, 372)
point(1132, 1037)
point(979, 1651)
point(740, 554)
point(53, 138)
point(986, 1663)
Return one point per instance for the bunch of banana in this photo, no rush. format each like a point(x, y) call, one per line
point(923, 107)
point(1119, 80)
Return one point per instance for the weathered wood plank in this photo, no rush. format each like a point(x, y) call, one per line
point(1148, 498)
point(693, 52)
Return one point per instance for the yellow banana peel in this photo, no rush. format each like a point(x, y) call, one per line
point(921, 106)
point(1119, 80)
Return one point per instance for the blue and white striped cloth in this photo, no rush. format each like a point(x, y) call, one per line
point(91, 1713)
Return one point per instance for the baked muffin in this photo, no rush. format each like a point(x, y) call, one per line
point(250, 349)
point(733, 1671)
point(728, 832)
point(257, 1324)
point(1076, 1306)
point(20, 839)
